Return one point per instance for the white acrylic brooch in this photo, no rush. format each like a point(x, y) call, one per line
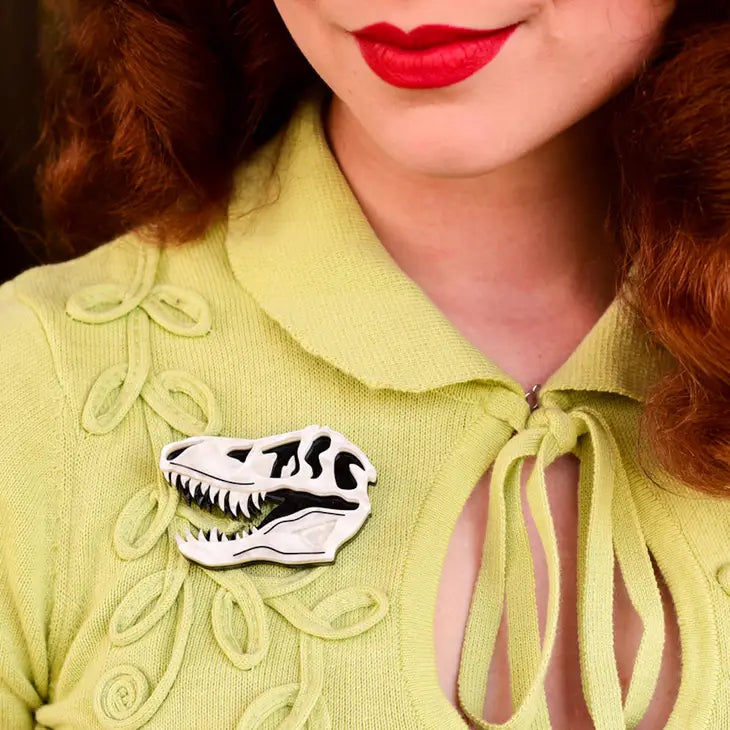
point(317, 479)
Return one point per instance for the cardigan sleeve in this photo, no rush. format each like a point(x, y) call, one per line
point(31, 478)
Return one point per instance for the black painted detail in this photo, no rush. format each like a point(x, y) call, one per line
point(303, 515)
point(318, 447)
point(343, 476)
point(239, 454)
point(284, 454)
point(296, 501)
point(174, 454)
point(186, 493)
point(203, 500)
point(213, 476)
point(281, 552)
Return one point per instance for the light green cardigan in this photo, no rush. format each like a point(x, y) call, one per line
point(290, 315)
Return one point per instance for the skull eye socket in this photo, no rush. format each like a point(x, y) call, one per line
point(343, 475)
point(239, 454)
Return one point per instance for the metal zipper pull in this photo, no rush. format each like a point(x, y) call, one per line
point(531, 396)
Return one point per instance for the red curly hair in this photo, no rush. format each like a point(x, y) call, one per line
point(151, 105)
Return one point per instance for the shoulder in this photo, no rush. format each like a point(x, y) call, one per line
point(54, 304)
point(31, 398)
point(125, 320)
point(37, 322)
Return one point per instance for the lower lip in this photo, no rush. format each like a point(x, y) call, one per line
point(435, 67)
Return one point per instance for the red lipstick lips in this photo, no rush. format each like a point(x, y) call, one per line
point(430, 56)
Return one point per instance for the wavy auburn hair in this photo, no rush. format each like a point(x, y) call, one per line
point(151, 105)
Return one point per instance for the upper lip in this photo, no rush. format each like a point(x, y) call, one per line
point(424, 36)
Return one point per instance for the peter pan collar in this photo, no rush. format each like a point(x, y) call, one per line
point(311, 261)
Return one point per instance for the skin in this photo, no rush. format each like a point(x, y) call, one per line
point(507, 172)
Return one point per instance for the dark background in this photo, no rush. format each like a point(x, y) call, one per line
point(20, 223)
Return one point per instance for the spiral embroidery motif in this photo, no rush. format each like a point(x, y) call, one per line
point(124, 690)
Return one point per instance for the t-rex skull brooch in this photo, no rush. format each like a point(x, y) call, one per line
point(317, 478)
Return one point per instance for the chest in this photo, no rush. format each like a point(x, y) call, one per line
point(563, 683)
point(247, 644)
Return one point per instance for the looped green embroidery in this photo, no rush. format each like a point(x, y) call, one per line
point(319, 620)
point(124, 698)
point(272, 586)
point(251, 608)
point(147, 603)
point(104, 411)
point(134, 715)
point(128, 542)
point(175, 309)
point(308, 710)
point(156, 392)
point(105, 408)
point(307, 706)
point(106, 302)
point(311, 682)
point(277, 699)
point(180, 311)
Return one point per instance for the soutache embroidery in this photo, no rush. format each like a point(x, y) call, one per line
point(125, 698)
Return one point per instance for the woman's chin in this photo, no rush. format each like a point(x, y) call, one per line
point(445, 155)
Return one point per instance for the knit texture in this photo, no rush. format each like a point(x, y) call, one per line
point(287, 314)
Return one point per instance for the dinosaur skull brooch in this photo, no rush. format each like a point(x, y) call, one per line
point(317, 479)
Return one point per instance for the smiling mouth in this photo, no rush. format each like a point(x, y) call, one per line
point(237, 505)
point(423, 37)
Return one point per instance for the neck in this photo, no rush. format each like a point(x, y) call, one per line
point(535, 223)
point(528, 235)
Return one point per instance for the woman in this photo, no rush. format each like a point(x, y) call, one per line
point(445, 306)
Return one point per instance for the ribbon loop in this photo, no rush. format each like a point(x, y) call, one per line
point(612, 515)
point(607, 522)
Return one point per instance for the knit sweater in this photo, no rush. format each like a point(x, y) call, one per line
point(286, 315)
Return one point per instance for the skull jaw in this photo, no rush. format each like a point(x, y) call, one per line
point(312, 537)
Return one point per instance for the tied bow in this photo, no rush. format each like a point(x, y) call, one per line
point(607, 521)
